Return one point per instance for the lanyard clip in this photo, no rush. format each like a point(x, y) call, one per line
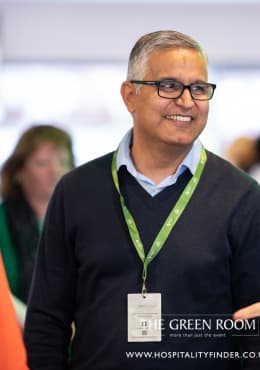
point(144, 290)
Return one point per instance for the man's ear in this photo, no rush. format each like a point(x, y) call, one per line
point(128, 94)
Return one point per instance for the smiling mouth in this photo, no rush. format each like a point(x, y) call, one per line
point(175, 117)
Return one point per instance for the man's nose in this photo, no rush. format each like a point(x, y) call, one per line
point(185, 98)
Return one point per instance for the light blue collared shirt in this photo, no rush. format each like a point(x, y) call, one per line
point(124, 159)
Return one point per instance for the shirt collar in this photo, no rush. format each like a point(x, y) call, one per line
point(124, 158)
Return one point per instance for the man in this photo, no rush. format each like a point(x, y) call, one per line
point(144, 247)
point(13, 356)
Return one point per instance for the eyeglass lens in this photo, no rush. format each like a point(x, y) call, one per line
point(174, 89)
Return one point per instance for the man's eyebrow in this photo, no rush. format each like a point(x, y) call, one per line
point(177, 80)
point(169, 78)
point(200, 82)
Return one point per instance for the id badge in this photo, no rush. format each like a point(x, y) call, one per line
point(144, 317)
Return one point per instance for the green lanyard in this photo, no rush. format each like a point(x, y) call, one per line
point(170, 221)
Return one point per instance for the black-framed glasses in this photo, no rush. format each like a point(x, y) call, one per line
point(172, 89)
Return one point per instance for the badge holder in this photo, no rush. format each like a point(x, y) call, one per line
point(144, 317)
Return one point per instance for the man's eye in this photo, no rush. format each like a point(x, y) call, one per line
point(170, 85)
point(199, 89)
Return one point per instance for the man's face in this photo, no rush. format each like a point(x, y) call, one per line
point(169, 121)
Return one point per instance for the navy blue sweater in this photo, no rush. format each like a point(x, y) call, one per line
point(87, 265)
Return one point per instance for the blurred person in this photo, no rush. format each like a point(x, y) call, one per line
point(159, 229)
point(13, 355)
point(244, 152)
point(41, 156)
point(255, 168)
point(250, 312)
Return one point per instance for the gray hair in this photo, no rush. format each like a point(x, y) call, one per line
point(155, 41)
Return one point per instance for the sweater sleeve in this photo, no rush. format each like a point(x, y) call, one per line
point(51, 304)
point(245, 265)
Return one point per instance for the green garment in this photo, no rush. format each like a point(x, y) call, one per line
point(8, 253)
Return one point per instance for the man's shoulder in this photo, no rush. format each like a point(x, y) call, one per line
point(227, 175)
point(97, 164)
point(92, 172)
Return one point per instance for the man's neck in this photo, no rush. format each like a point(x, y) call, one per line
point(158, 163)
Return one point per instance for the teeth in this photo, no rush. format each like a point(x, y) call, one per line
point(178, 118)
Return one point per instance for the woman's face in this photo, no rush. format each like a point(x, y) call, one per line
point(43, 169)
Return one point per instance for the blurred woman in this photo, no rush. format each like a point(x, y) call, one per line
point(41, 156)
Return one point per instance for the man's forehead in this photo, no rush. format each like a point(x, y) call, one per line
point(169, 62)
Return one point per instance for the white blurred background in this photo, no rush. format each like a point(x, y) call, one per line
point(63, 61)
